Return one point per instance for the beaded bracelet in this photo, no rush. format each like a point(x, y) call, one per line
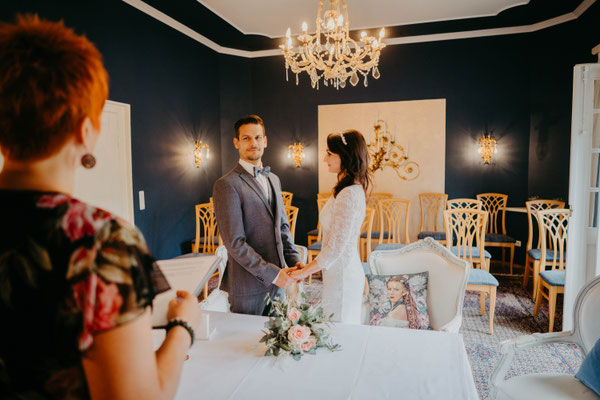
point(182, 323)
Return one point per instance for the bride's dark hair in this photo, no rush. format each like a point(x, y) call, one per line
point(354, 154)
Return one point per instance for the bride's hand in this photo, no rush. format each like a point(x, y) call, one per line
point(299, 265)
point(298, 275)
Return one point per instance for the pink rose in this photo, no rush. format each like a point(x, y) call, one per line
point(100, 304)
point(80, 219)
point(309, 344)
point(299, 334)
point(293, 314)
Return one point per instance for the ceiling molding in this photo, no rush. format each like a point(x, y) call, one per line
point(164, 18)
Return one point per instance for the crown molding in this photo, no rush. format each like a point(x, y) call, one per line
point(164, 18)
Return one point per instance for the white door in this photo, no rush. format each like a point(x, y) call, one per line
point(583, 251)
point(109, 184)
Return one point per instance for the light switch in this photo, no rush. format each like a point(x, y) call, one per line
point(142, 200)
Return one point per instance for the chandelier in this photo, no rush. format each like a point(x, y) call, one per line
point(296, 153)
point(331, 54)
point(385, 152)
point(487, 147)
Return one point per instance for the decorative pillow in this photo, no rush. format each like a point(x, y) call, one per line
point(399, 300)
point(589, 372)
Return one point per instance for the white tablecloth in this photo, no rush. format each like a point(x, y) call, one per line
point(374, 363)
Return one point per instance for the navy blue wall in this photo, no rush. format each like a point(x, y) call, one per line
point(172, 84)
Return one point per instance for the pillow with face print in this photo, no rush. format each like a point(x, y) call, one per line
point(399, 301)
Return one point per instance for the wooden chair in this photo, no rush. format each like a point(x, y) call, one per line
point(468, 227)
point(287, 198)
point(206, 229)
point(432, 215)
point(393, 214)
point(292, 216)
point(323, 195)
point(553, 225)
point(585, 333)
point(463, 203)
point(313, 235)
point(373, 202)
point(532, 255)
point(495, 205)
point(366, 229)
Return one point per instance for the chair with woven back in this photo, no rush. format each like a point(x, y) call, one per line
point(467, 227)
point(463, 203)
point(314, 235)
point(287, 198)
point(553, 227)
point(393, 215)
point(366, 229)
point(373, 202)
point(206, 240)
point(533, 254)
point(292, 215)
point(495, 205)
point(432, 216)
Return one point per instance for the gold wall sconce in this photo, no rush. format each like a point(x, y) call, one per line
point(296, 153)
point(487, 147)
point(385, 152)
point(201, 150)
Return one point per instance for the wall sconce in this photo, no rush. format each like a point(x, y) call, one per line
point(487, 147)
point(201, 150)
point(295, 152)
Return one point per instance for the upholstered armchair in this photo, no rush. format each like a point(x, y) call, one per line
point(446, 284)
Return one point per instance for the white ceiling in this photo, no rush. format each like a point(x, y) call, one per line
point(272, 17)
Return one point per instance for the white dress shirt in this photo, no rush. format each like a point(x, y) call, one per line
point(264, 184)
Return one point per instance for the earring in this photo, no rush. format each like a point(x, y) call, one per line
point(88, 160)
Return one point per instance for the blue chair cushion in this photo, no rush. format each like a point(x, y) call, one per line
point(366, 268)
point(389, 246)
point(475, 251)
point(499, 238)
point(315, 246)
point(481, 277)
point(314, 232)
point(553, 278)
point(435, 235)
point(589, 371)
point(375, 235)
point(536, 254)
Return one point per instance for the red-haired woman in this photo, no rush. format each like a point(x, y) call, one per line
point(76, 283)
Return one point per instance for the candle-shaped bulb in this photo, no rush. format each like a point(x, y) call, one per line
point(208, 153)
point(288, 33)
point(304, 27)
point(340, 20)
point(375, 43)
point(381, 33)
point(289, 42)
point(363, 34)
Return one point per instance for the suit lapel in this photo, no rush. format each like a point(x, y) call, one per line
point(251, 181)
point(276, 196)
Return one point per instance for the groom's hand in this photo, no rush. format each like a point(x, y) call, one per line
point(284, 280)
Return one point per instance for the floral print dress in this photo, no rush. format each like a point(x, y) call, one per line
point(67, 272)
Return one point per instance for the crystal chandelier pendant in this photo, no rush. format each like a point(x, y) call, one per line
point(331, 53)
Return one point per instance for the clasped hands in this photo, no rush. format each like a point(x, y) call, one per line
point(292, 275)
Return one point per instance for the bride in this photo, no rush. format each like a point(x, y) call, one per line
point(341, 219)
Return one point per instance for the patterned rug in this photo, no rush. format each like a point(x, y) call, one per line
point(514, 317)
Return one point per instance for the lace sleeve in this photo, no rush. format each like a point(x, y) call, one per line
point(347, 215)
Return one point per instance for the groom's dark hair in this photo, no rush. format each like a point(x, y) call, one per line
point(248, 120)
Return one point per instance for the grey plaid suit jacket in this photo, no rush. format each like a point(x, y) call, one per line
point(257, 238)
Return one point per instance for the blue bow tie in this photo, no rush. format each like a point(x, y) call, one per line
point(265, 171)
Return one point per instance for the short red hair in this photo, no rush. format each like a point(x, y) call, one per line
point(51, 79)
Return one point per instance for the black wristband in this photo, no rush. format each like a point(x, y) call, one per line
point(180, 322)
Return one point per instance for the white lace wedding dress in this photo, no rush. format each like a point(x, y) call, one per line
point(343, 275)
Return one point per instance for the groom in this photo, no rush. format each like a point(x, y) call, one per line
point(253, 224)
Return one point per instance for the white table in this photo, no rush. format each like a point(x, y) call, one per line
point(374, 363)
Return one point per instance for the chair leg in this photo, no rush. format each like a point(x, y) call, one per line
point(536, 277)
point(552, 307)
point(481, 303)
point(205, 291)
point(526, 271)
point(538, 301)
point(512, 257)
point(492, 308)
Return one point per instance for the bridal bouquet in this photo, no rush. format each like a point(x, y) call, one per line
point(296, 327)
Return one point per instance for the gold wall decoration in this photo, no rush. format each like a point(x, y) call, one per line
point(201, 150)
point(385, 152)
point(487, 147)
point(296, 153)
